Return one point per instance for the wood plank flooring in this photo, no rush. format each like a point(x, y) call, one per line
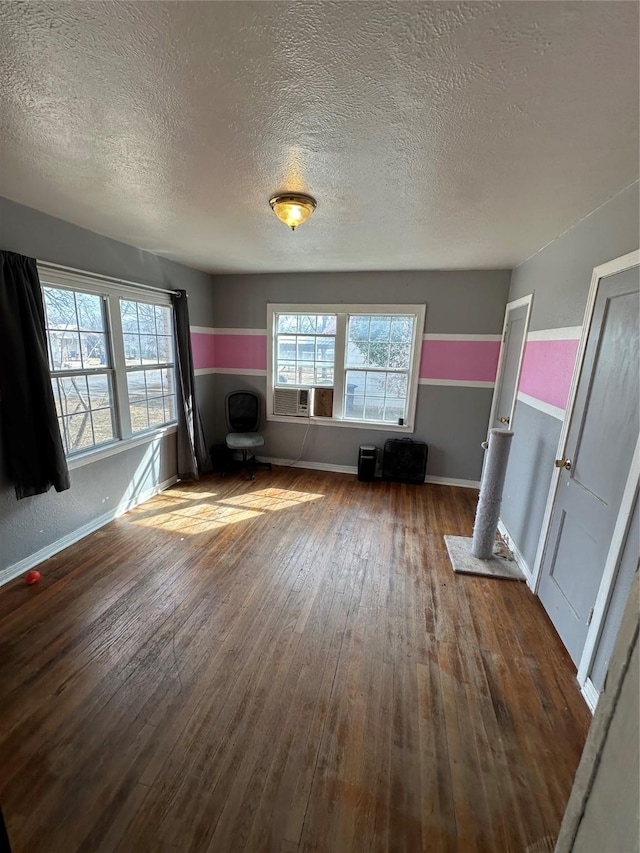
point(282, 665)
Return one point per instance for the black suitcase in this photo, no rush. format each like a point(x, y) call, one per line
point(404, 460)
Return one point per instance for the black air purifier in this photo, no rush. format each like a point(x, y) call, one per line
point(367, 462)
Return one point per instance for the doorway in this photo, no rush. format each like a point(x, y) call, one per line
point(514, 338)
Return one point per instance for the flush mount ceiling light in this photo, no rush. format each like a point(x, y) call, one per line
point(292, 208)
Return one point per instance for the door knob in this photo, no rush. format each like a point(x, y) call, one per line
point(563, 463)
point(504, 420)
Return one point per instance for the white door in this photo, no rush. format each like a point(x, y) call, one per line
point(514, 337)
point(599, 449)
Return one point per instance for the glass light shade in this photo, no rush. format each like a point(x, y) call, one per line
point(293, 208)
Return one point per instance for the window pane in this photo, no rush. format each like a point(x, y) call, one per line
point(149, 348)
point(392, 413)
point(397, 385)
point(380, 328)
point(325, 349)
point(354, 407)
point(60, 308)
point(139, 415)
point(99, 391)
point(402, 329)
point(358, 329)
point(136, 385)
point(324, 374)
point(385, 395)
point(79, 431)
point(286, 347)
point(378, 354)
point(146, 318)
point(305, 348)
point(355, 382)
point(154, 383)
point(74, 394)
point(169, 381)
point(400, 356)
point(375, 384)
point(156, 411)
point(326, 324)
point(163, 320)
point(373, 409)
point(169, 408)
point(357, 353)
point(90, 317)
point(287, 323)
point(93, 349)
point(307, 323)
point(129, 316)
point(165, 348)
point(102, 425)
point(151, 397)
point(286, 374)
point(305, 373)
point(131, 349)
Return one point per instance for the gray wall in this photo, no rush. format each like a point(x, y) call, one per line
point(559, 277)
point(452, 420)
point(31, 524)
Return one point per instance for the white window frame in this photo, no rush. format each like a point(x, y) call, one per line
point(342, 312)
point(112, 293)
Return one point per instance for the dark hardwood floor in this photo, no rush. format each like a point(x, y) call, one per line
point(282, 665)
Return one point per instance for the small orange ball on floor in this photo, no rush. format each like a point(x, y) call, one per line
point(32, 577)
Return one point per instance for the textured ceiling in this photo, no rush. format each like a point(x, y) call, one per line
point(432, 134)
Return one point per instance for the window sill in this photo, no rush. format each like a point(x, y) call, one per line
point(103, 452)
point(334, 422)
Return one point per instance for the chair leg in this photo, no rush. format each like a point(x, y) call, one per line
point(246, 461)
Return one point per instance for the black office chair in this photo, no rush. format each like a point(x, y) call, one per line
point(242, 410)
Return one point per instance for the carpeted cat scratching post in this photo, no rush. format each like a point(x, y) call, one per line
point(477, 556)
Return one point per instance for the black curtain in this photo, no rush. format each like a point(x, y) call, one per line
point(33, 450)
point(193, 457)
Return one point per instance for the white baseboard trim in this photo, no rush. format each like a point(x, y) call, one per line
point(48, 551)
point(314, 466)
point(352, 469)
point(452, 481)
point(517, 555)
point(590, 694)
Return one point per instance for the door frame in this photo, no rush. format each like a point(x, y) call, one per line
point(625, 262)
point(510, 306)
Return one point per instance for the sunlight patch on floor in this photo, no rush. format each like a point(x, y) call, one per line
point(171, 512)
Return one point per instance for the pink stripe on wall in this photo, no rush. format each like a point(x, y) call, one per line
point(471, 361)
point(248, 352)
point(241, 351)
point(203, 348)
point(547, 369)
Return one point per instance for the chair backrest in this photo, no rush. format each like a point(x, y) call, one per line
point(242, 410)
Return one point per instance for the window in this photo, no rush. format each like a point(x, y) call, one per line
point(367, 355)
point(306, 349)
point(148, 352)
point(111, 358)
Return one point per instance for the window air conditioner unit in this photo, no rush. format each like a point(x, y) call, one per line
point(291, 401)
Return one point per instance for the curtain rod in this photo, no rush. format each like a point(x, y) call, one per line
point(109, 278)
